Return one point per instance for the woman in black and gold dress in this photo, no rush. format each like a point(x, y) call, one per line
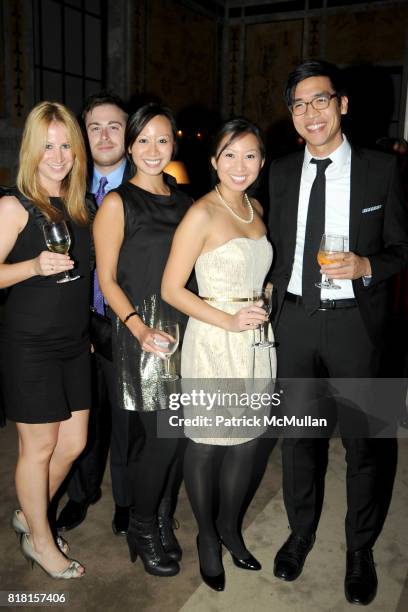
point(133, 230)
point(44, 344)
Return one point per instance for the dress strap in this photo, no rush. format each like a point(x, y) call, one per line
point(25, 202)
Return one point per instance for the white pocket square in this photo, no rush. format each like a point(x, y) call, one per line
point(371, 208)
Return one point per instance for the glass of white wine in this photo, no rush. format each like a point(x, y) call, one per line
point(58, 240)
point(265, 296)
point(329, 244)
point(171, 330)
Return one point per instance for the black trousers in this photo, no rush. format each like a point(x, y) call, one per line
point(109, 427)
point(332, 344)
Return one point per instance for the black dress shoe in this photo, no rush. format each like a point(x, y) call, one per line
point(360, 585)
point(217, 583)
point(74, 513)
point(290, 558)
point(120, 521)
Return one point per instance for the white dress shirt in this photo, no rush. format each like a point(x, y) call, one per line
point(337, 218)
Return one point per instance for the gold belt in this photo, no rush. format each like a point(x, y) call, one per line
point(232, 299)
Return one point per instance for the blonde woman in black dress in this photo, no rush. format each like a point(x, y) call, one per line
point(44, 345)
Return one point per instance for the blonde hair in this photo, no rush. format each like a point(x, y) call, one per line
point(32, 149)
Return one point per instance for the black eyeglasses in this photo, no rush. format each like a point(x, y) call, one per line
point(318, 103)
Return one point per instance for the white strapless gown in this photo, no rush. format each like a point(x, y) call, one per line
point(227, 273)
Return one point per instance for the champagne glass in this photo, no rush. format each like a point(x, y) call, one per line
point(265, 296)
point(58, 240)
point(171, 331)
point(329, 244)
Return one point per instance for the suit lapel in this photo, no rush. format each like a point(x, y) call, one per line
point(358, 181)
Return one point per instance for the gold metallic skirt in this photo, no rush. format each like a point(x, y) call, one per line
point(139, 385)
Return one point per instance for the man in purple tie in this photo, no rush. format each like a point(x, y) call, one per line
point(104, 117)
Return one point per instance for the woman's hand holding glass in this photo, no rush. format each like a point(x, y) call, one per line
point(148, 337)
point(263, 298)
point(168, 345)
point(58, 240)
point(47, 263)
point(249, 317)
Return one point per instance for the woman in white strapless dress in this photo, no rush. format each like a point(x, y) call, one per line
point(223, 237)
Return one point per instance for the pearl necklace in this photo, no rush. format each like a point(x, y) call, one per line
point(247, 202)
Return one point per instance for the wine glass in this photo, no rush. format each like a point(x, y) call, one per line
point(58, 240)
point(171, 331)
point(265, 296)
point(329, 244)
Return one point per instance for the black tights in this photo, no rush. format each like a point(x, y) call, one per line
point(153, 466)
point(214, 473)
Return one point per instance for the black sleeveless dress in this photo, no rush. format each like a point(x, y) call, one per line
point(44, 343)
point(150, 223)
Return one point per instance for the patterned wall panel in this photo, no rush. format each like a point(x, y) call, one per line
point(138, 41)
point(234, 73)
point(314, 38)
point(181, 49)
point(271, 51)
point(369, 37)
point(19, 75)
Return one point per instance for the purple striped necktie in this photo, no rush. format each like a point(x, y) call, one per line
point(98, 301)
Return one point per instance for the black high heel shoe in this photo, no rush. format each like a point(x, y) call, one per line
point(248, 563)
point(217, 583)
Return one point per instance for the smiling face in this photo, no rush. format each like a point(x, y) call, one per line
point(153, 148)
point(57, 159)
point(105, 127)
point(321, 129)
point(239, 164)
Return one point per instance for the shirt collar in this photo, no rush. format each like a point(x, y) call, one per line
point(339, 156)
point(114, 178)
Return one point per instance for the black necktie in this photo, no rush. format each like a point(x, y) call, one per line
point(313, 235)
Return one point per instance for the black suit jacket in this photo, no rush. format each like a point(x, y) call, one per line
point(378, 228)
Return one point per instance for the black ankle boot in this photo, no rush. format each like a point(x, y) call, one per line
point(143, 539)
point(166, 523)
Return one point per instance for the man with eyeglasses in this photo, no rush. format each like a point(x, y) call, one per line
point(332, 188)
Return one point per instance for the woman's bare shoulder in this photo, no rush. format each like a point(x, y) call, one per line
point(112, 200)
point(257, 206)
point(206, 206)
